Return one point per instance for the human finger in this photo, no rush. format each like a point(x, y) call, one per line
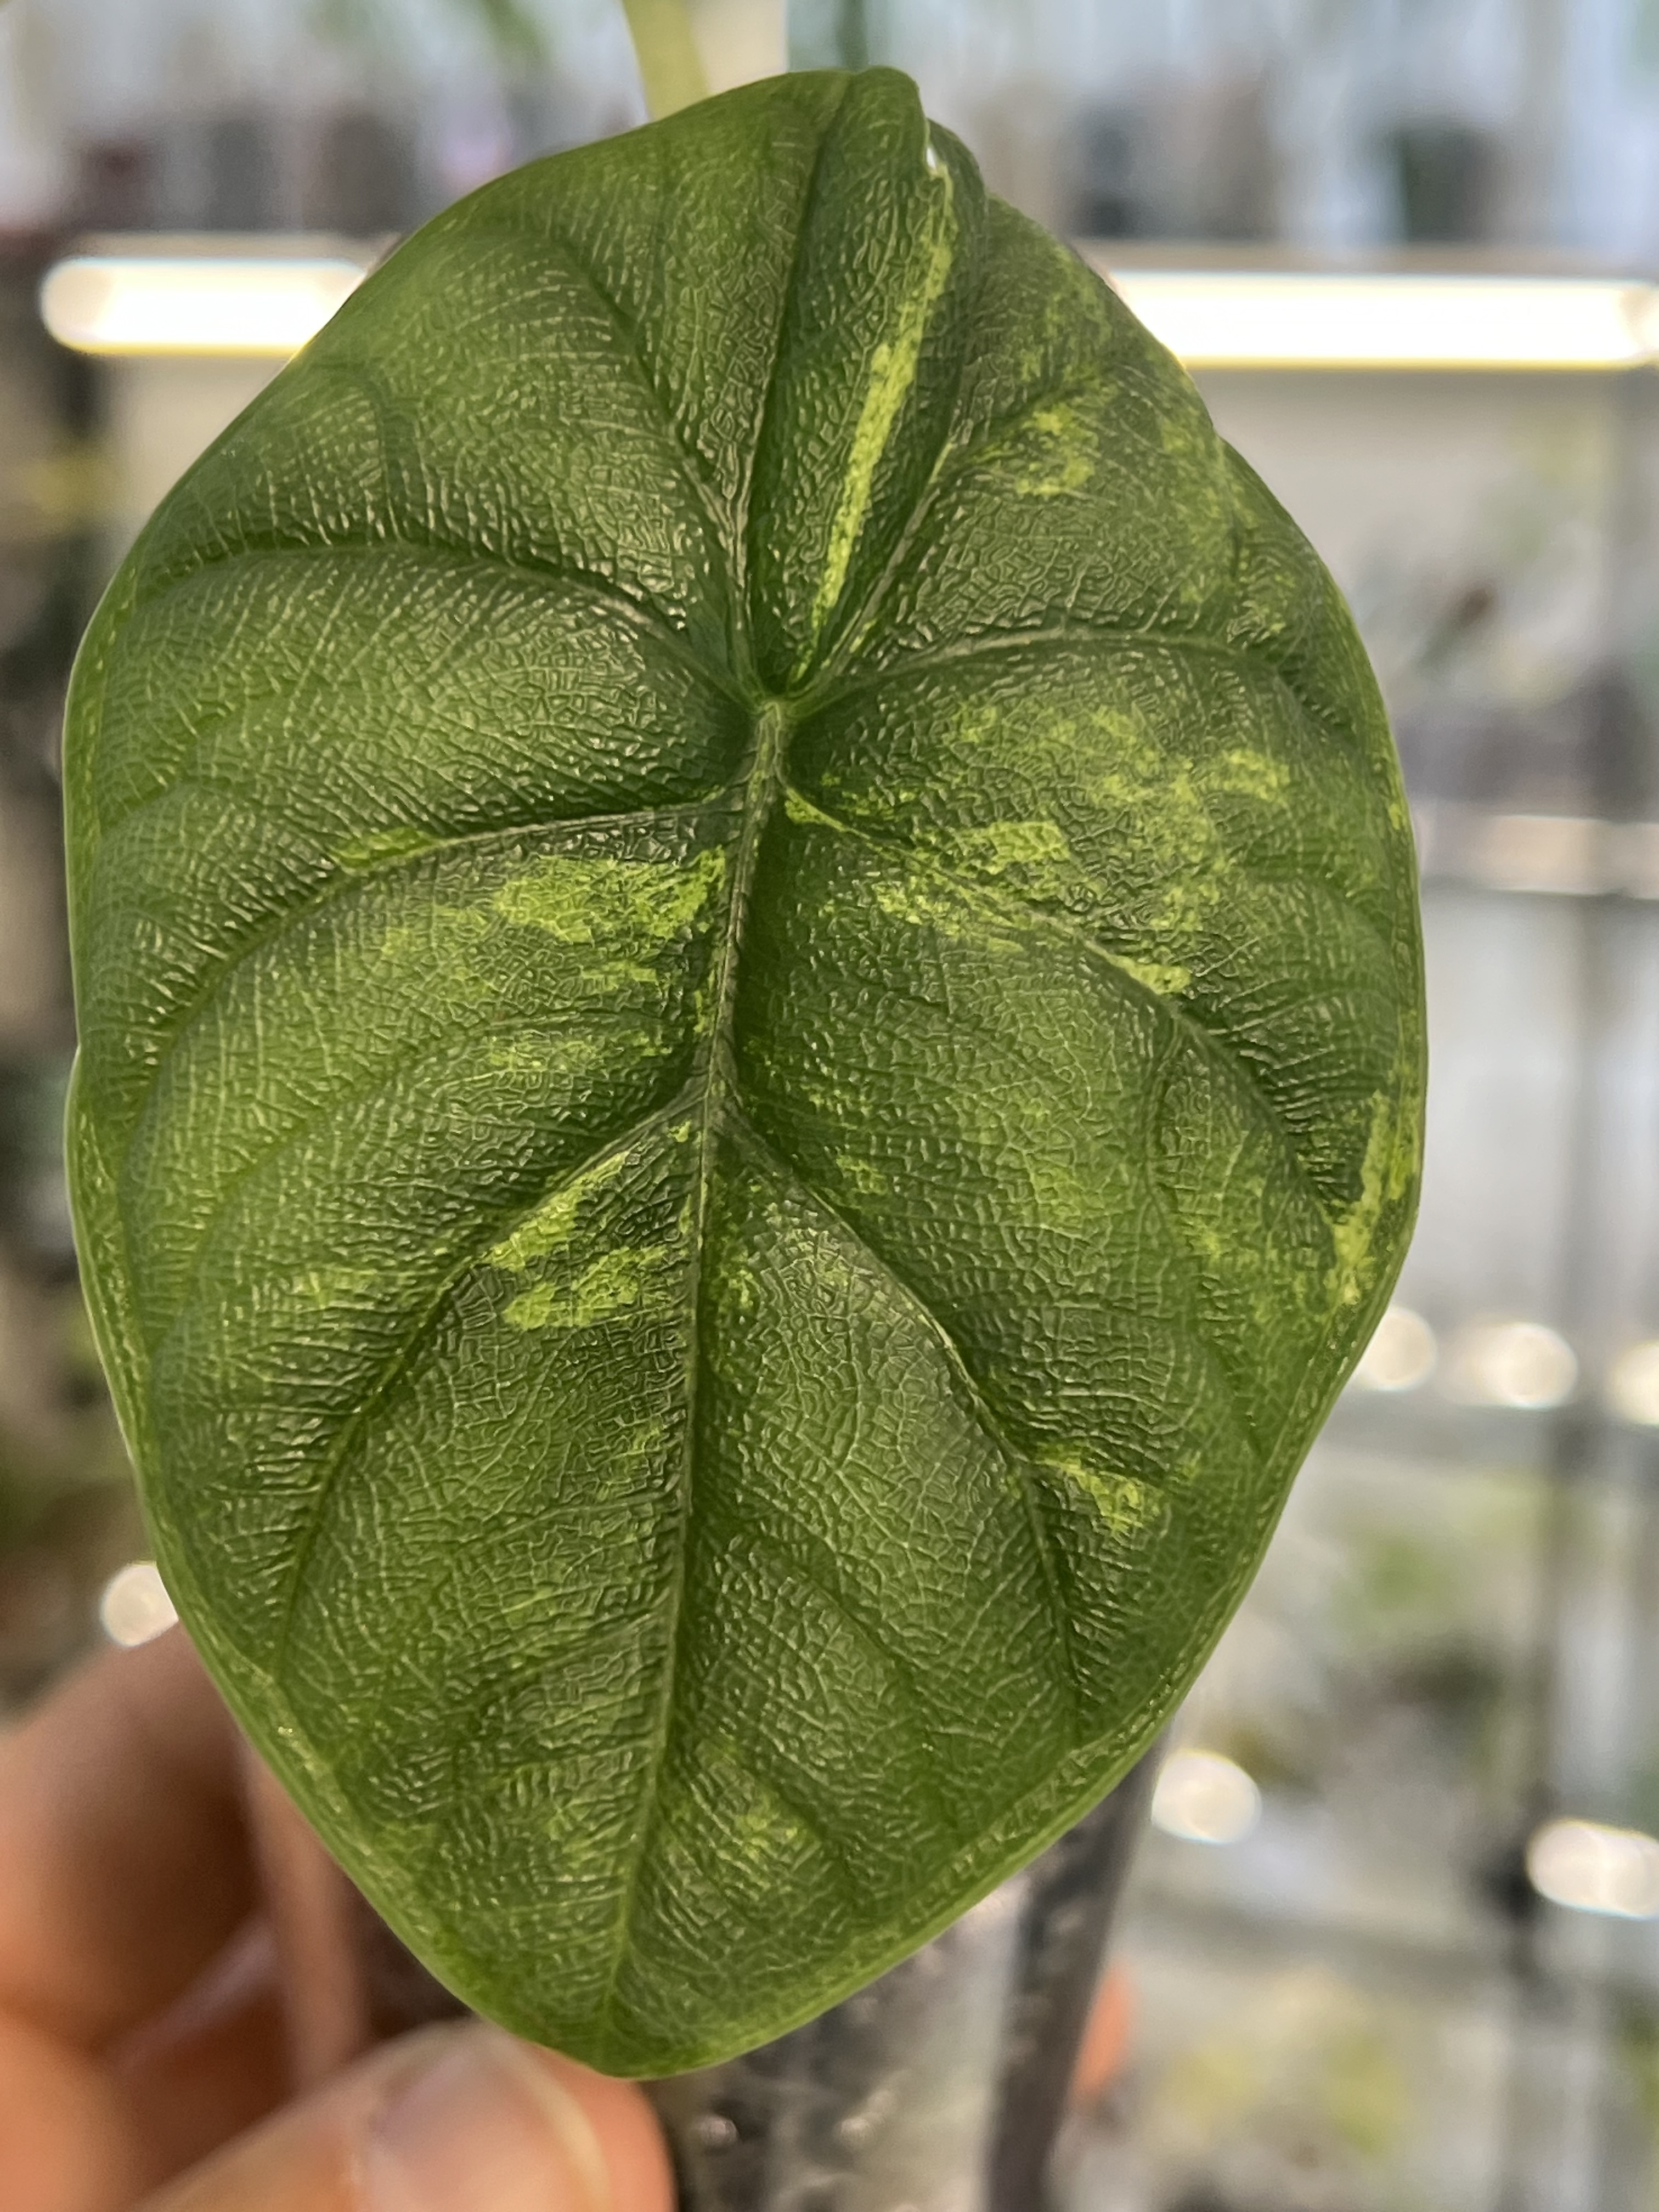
point(208, 2067)
point(454, 2119)
point(69, 2140)
point(123, 1861)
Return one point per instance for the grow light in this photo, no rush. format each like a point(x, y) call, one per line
point(272, 303)
point(1391, 319)
point(196, 303)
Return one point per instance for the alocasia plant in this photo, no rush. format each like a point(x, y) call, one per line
point(751, 1050)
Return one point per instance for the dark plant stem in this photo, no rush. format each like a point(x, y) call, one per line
point(1074, 1892)
point(943, 2083)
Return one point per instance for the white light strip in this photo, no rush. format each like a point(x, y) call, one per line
point(1259, 319)
point(114, 303)
point(154, 303)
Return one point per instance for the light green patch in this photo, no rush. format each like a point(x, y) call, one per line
point(631, 1276)
point(628, 911)
point(1034, 856)
point(977, 722)
point(1069, 1201)
point(550, 1229)
point(855, 806)
point(738, 1293)
point(1406, 1153)
point(320, 1290)
point(863, 1175)
point(1002, 845)
point(892, 372)
point(1251, 774)
point(924, 906)
point(367, 852)
point(1168, 854)
point(1186, 909)
point(1128, 1505)
point(1207, 1243)
point(1184, 435)
point(1384, 1177)
point(1167, 979)
point(799, 808)
point(437, 955)
point(1167, 836)
point(761, 1837)
point(1067, 458)
point(570, 1054)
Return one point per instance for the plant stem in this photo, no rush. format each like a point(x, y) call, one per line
point(670, 67)
point(852, 34)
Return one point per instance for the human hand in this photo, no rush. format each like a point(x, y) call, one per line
point(143, 2041)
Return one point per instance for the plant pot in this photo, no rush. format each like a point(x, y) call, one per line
point(939, 2087)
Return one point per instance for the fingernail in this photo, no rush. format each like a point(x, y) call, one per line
point(483, 2127)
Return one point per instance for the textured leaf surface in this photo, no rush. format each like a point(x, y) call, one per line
point(750, 1058)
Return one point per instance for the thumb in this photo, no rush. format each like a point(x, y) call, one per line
point(454, 2119)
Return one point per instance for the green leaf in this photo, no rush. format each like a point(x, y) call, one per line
point(751, 1050)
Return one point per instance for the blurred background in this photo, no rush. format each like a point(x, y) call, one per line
point(1394, 1943)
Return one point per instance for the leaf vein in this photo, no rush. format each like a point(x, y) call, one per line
point(1045, 637)
point(338, 892)
point(627, 332)
point(1014, 911)
point(604, 590)
point(385, 1379)
point(1019, 1463)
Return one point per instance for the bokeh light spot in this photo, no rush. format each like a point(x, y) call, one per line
point(1511, 1363)
point(135, 1606)
point(1203, 1798)
point(1400, 1354)
point(1591, 1869)
point(1633, 1383)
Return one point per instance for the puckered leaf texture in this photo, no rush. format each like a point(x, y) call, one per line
point(751, 1054)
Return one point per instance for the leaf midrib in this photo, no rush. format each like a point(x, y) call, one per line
point(764, 783)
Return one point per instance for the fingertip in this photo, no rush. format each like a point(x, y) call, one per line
point(124, 1865)
point(494, 2121)
point(67, 2138)
point(446, 2120)
point(629, 2130)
